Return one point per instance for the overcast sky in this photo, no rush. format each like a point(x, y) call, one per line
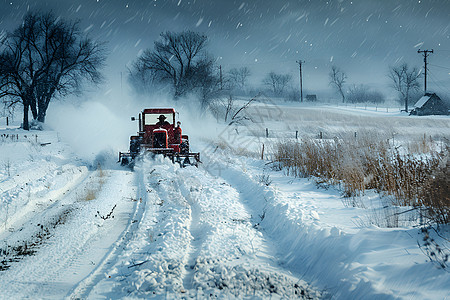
point(362, 37)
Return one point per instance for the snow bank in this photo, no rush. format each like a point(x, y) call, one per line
point(35, 168)
point(346, 261)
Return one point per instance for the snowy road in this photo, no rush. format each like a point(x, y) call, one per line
point(160, 230)
point(195, 238)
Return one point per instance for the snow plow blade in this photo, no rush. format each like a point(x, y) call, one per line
point(184, 159)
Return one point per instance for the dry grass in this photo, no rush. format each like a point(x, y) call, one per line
point(424, 145)
point(96, 185)
point(91, 194)
point(370, 162)
point(435, 192)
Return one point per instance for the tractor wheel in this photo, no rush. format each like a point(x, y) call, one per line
point(124, 161)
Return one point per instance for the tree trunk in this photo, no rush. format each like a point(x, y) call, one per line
point(33, 107)
point(27, 99)
point(343, 95)
point(42, 111)
point(25, 125)
point(41, 117)
point(406, 100)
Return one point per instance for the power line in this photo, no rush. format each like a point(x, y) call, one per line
point(434, 79)
point(440, 67)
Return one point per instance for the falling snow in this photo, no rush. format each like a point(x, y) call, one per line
point(364, 38)
point(358, 35)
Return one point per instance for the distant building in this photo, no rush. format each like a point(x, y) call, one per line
point(430, 104)
point(311, 98)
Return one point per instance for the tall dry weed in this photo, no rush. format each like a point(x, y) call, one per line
point(434, 194)
point(370, 162)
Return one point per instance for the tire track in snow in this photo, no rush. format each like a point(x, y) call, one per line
point(152, 262)
point(83, 288)
point(195, 229)
point(76, 244)
point(195, 240)
point(229, 255)
point(39, 204)
point(34, 225)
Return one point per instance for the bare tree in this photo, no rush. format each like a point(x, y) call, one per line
point(142, 79)
point(277, 82)
point(176, 59)
point(238, 77)
point(362, 93)
point(204, 79)
point(405, 81)
point(337, 79)
point(231, 111)
point(44, 57)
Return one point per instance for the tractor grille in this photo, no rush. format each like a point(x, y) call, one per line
point(159, 140)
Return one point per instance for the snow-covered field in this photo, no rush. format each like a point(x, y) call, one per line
point(232, 228)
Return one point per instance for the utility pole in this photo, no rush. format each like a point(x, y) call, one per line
point(300, 62)
point(425, 55)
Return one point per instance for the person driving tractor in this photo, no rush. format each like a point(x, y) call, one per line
point(162, 121)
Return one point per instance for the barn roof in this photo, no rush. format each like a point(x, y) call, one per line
point(422, 101)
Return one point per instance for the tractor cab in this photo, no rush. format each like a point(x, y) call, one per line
point(159, 130)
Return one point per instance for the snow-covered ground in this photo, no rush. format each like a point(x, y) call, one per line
point(328, 244)
point(232, 228)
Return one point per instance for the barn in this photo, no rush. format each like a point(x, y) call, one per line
point(430, 104)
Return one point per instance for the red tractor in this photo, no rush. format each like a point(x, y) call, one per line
point(158, 134)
